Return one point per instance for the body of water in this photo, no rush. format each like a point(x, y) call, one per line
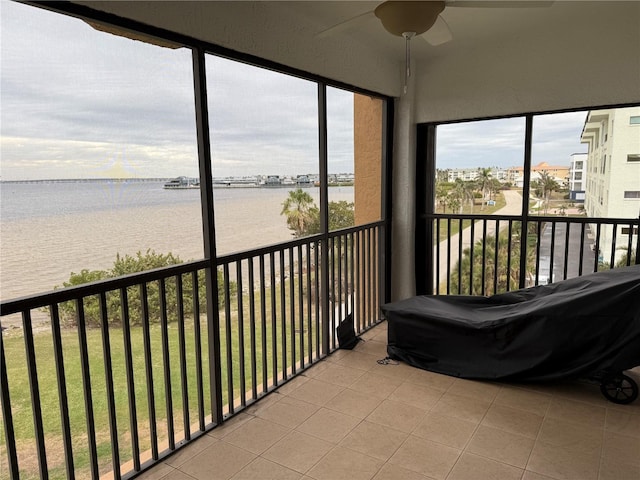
point(48, 230)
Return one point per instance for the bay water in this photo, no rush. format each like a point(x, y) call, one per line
point(50, 229)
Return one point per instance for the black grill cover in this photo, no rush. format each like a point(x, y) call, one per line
point(579, 327)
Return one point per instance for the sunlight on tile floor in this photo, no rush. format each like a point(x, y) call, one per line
point(350, 418)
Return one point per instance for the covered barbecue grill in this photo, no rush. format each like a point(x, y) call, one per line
point(584, 327)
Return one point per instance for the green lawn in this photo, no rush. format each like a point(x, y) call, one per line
point(455, 224)
point(19, 388)
point(272, 329)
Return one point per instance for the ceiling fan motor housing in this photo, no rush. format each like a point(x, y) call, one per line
point(399, 17)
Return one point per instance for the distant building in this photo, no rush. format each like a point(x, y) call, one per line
point(304, 181)
point(560, 173)
point(340, 178)
point(518, 182)
point(273, 181)
point(470, 174)
point(612, 188)
point(345, 178)
point(577, 177)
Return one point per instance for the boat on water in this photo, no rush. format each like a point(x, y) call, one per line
point(182, 183)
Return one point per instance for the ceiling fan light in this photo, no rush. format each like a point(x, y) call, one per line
point(399, 17)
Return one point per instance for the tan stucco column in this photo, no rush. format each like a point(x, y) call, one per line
point(367, 138)
point(368, 185)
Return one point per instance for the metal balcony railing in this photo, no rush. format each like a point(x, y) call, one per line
point(488, 254)
point(108, 378)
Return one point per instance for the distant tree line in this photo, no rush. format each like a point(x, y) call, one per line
point(454, 195)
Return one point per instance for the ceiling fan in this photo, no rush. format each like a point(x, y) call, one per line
point(422, 17)
point(408, 19)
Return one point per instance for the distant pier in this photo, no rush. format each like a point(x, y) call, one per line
point(89, 180)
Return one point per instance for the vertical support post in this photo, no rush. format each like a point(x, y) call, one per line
point(108, 380)
point(324, 216)
point(387, 194)
point(36, 409)
point(252, 329)
point(86, 387)
point(184, 382)
point(198, 348)
point(637, 240)
point(425, 198)
point(524, 228)
point(166, 361)
point(5, 404)
point(208, 230)
point(148, 366)
point(131, 388)
point(62, 390)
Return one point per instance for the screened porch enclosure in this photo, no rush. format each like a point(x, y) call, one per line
point(503, 233)
point(280, 237)
point(143, 371)
point(227, 364)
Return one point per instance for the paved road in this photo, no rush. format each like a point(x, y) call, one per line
point(547, 274)
point(547, 271)
point(513, 206)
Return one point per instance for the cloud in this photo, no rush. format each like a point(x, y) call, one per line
point(59, 158)
point(271, 120)
point(500, 142)
point(484, 143)
point(557, 136)
point(75, 99)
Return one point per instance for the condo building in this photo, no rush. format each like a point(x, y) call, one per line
point(577, 176)
point(612, 188)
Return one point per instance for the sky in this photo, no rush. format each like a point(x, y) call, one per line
point(78, 103)
point(500, 142)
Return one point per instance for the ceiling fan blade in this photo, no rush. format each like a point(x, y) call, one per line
point(499, 4)
point(439, 33)
point(348, 24)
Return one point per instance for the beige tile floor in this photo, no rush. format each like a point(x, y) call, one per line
point(350, 418)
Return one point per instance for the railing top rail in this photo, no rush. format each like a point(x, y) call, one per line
point(533, 218)
point(626, 221)
point(40, 300)
point(345, 231)
point(45, 299)
point(234, 257)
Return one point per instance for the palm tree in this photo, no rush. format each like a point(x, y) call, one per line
point(441, 175)
point(544, 186)
point(468, 190)
point(462, 192)
point(297, 209)
point(494, 187)
point(483, 182)
point(622, 261)
point(625, 258)
point(454, 202)
point(505, 272)
point(442, 192)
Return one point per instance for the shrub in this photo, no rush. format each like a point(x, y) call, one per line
point(128, 264)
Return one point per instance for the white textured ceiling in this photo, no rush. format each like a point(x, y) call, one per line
point(501, 60)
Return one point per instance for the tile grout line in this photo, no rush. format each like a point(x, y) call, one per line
point(604, 433)
point(466, 445)
point(535, 442)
